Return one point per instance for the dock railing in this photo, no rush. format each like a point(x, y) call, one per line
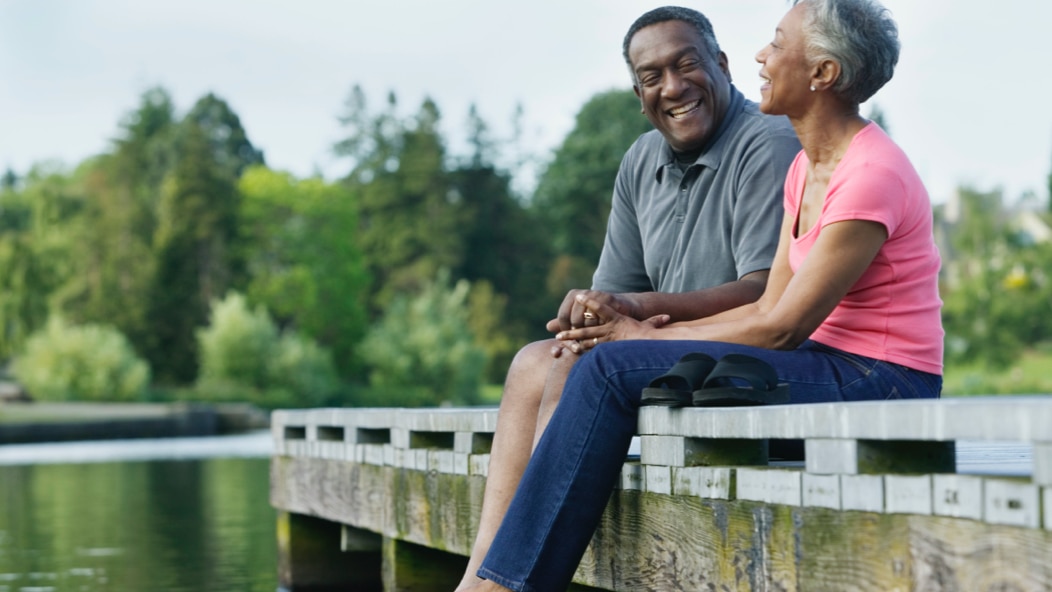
point(951, 494)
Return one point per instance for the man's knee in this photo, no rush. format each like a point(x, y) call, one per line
point(533, 357)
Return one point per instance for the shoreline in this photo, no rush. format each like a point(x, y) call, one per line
point(28, 423)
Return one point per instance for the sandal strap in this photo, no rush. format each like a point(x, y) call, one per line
point(690, 371)
point(759, 374)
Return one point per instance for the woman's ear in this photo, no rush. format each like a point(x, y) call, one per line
point(825, 74)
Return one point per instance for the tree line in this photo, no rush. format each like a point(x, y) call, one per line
point(416, 275)
point(177, 265)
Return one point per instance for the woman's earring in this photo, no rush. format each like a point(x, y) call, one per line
point(812, 88)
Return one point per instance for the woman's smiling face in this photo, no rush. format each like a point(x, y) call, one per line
point(785, 70)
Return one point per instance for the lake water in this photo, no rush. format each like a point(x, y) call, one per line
point(189, 514)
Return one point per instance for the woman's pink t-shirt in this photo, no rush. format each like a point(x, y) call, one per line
point(893, 312)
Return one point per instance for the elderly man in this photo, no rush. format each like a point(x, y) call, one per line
point(692, 230)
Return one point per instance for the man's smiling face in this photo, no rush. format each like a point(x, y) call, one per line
point(684, 90)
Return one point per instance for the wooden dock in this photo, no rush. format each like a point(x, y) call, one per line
point(945, 495)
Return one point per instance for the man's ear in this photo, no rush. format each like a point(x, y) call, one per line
point(724, 65)
point(639, 96)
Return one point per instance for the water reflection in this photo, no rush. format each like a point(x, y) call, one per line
point(183, 521)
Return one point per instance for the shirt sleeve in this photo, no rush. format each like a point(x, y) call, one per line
point(621, 265)
point(759, 209)
point(869, 192)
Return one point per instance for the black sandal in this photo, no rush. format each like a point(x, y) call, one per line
point(676, 387)
point(724, 386)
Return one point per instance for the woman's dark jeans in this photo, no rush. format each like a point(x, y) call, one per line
point(568, 481)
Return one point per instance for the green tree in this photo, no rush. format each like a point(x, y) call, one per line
point(112, 238)
point(197, 224)
point(503, 247)
point(876, 115)
point(231, 149)
point(996, 290)
point(9, 181)
point(1049, 208)
point(422, 351)
point(409, 216)
point(302, 261)
point(573, 195)
point(373, 142)
point(35, 250)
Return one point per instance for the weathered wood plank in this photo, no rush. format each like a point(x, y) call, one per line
point(652, 541)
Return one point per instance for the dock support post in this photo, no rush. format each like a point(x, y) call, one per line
point(310, 558)
point(414, 568)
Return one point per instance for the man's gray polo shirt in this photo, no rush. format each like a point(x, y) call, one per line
point(676, 231)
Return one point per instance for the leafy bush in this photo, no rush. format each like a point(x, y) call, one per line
point(81, 363)
point(305, 368)
point(423, 351)
point(244, 357)
point(239, 345)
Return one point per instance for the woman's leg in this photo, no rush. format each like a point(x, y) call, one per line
point(565, 488)
point(512, 444)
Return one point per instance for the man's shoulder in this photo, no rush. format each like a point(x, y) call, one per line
point(649, 150)
point(753, 122)
point(651, 143)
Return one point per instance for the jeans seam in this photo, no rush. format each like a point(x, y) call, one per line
point(548, 528)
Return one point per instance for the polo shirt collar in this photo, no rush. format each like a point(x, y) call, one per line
point(712, 152)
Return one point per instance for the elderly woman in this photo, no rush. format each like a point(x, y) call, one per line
point(851, 310)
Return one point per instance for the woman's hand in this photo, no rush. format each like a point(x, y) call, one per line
point(573, 313)
point(611, 326)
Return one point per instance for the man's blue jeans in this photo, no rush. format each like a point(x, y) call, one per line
point(569, 479)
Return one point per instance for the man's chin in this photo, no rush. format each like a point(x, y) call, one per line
point(686, 143)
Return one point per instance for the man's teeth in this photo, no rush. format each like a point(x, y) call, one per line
point(685, 109)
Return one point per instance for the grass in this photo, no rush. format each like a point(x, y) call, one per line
point(1030, 374)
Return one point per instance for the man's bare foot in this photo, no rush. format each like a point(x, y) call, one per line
point(468, 581)
point(483, 586)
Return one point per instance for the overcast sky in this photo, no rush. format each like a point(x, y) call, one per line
point(969, 101)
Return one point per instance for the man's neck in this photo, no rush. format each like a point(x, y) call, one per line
point(687, 158)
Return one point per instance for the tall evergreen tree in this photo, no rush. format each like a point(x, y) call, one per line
point(373, 142)
point(114, 258)
point(502, 244)
point(9, 182)
point(573, 195)
point(231, 149)
point(197, 224)
point(409, 218)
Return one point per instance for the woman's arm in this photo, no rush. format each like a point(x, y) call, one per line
point(792, 307)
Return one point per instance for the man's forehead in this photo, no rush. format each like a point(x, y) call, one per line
point(686, 39)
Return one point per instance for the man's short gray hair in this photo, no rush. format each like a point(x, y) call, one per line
point(672, 13)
